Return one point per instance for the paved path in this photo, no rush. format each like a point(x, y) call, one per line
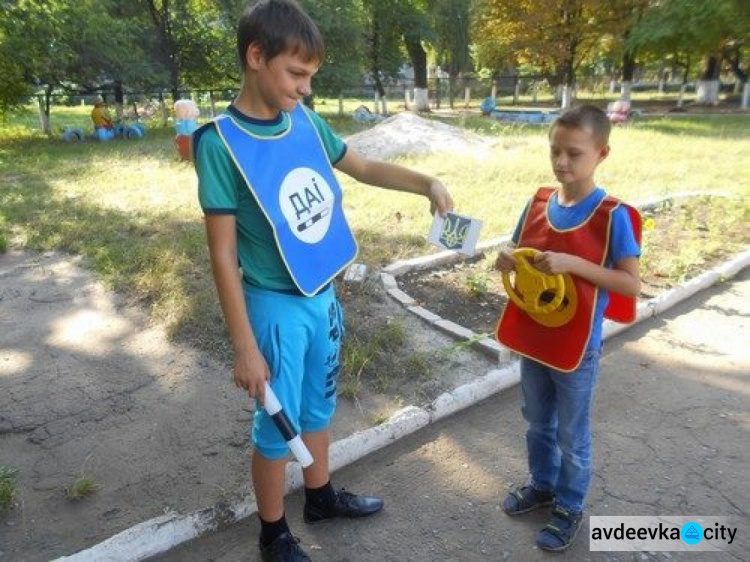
point(90, 388)
point(672, 427)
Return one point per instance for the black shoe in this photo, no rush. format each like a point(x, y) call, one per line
point(346, 505)
point(284, 549)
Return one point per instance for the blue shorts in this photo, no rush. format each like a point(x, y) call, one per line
point(300, 338)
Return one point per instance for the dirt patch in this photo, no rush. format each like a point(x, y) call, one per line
point(407, 134)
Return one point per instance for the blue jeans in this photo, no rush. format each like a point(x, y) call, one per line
point(557, 407)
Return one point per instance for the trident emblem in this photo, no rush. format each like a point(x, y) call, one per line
point(455, 229)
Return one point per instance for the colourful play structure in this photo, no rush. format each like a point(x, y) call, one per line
point(119, 131)
point(185, 113)
point(488, 107)
point(105, 128)
point(621, 111)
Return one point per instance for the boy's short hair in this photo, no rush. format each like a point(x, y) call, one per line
point(278, 26)
point(586, 117)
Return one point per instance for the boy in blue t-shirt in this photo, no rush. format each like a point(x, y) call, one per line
point(591, 238)
point(272, 206)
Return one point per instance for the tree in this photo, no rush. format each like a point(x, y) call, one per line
point(14, 88)
point(342, 24)
point(451, 20)
point(555, 35)
point(416, 30)
point(205, 32)
point(630, 12)
point(707, 29)
point(65, 46)
point(382, 40)
point(195, 42)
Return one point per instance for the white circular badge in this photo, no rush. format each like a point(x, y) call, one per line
point(306, 200)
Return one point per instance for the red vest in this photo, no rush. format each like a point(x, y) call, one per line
point(563, 347)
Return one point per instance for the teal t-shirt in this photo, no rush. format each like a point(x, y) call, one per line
point(222, 190)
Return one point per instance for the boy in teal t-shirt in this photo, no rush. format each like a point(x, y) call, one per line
point(273, 207)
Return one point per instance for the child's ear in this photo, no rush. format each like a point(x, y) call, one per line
point(603, 152)
point(254, 56)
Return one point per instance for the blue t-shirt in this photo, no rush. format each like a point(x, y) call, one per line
point(622, 242)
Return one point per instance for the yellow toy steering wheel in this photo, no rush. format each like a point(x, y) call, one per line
point(533, 291)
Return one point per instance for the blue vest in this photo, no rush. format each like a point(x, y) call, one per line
point(292, 181)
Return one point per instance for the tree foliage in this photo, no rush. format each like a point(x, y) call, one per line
point(556, 36)
point(194, 41)
point(382, 39)
point(702, 28)
point(452, 22)
point(63, 46)
point(342, 24)
point(77, 46)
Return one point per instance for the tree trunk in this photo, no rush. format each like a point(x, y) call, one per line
point(567, 65)
point(733, 57)
point(212, 103)
point(565, 96)
point(164, 110)
point(628, 69)
point(119, 99)
point(625, 91)
point(378, 93)
point(418, 58)
point(421, 99)
point(374, 56)
point(44, 122)
point(708, 86)
point(566, 85)
point(685, 74)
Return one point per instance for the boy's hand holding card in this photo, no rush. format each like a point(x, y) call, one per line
point(455, 232)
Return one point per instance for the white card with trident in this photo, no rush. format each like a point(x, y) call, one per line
point(455, 232)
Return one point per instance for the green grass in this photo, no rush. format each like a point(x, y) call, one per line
point(708, 228)
point(129, 207)
point(8, 490)
point(368, 354)
point(81, 488)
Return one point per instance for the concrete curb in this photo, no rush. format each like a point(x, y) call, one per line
point(163, 533)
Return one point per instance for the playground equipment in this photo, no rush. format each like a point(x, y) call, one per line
point(130, 131)
point(119, 131)
point(363, 114)
point(488, 107)
point(523, 116)
point(73, 134)
point(620, 111)
point(551, 300)
point(186, 112)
